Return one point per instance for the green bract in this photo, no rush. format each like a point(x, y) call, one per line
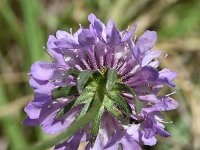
point(102, 88)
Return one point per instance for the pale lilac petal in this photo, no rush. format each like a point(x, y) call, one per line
point(105, 132)
point(66, 41)
point(126, 141)
point(66, 44)
point(131, 130)
point(139, 137)
point(113, 36)
point(91, 18)
point(137, 53)
point(73, 142)
point(52, 126)
point(129, 144)
point(43, 70)
point(62, 34)
point(150, 56)
point(129, 34)
point(167, 74)
point(33, 109)
point(31, 122)
point(162, 132)
point(146, 41)
point(100, 142)
point(98, 26)
point(86, 38)
point(42, 87)
point(149, 132)
point(147, 74)
point(150, 98)
point(124, 137)
point(166, 104)
point(151, 141)
point(50, 42)
point(54, 51)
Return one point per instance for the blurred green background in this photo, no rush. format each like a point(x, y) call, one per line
point(24, 29)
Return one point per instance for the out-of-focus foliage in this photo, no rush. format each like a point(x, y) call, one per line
point(24, 29)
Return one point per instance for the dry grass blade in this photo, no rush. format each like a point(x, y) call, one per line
point(187, 44)
point(146, 19)
point(14, 77)
point(15, 106)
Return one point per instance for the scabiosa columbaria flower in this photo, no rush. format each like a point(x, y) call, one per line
point(104, 68)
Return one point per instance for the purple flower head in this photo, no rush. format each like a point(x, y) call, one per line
point(100, 67)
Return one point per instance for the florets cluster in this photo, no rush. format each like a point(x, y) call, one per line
point(104, 68)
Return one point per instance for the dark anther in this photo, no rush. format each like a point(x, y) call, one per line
point(136, 121)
